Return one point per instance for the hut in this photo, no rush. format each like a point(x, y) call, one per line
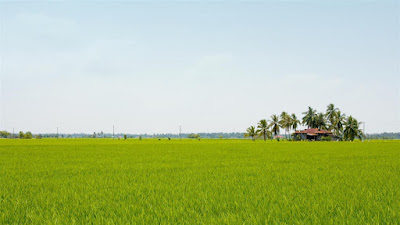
point(313, 134)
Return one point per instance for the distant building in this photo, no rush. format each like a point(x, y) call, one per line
point(314, 134)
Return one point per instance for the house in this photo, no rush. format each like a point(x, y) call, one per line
point(314, 134)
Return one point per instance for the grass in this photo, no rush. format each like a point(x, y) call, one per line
point(79, 181)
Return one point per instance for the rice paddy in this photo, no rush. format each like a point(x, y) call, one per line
point(104, 181)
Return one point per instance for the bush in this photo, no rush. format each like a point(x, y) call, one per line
point(328, 138)
point(28, 135)
point(296, 138)
point(4, 134)
point(194, 136)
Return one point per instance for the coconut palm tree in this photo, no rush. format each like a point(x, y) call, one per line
point(352, 129)
point(263, 129)
point(289, 123)
point(309, 117)
point(274, 124)
point(295, 122)
point(320, 121)
point(330, 115)
point(339, 120)
point(251, 132)
point(285, 122)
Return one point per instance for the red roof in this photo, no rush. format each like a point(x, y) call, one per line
point(313, 131)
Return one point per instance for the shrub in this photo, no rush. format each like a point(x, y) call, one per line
point(296, 138)
point(194, 136)
point(28, 135)
point(4, 134)
point(328, 138)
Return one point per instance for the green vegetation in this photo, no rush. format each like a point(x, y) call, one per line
point(27, 135)
point(263, 129)
point(193, 136)
point(251, 132)
point(4, 134)
point(105, 181)
point(333, 120)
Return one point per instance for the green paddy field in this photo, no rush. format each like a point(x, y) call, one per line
point(94, 181)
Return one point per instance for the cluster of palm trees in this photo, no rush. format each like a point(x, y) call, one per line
point(346, 128)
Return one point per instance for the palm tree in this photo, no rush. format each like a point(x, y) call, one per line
point(251, 132)
point(295, 122)
point(285, 122)
point(320, 121)
point(274, 124)
point(289, 123)
point(338, 122)
point(352, 129)
point(330, 114)
point(309, 117)
point(263, 128)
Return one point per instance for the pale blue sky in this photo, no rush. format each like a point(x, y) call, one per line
point(208, 66)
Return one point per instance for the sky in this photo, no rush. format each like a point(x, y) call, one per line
point(209, 66)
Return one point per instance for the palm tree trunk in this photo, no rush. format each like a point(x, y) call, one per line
point(264, 136)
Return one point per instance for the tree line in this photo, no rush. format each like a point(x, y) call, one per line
point(21, 135)
point(346, 128)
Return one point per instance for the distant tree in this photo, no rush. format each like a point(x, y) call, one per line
point(140, 137)
point(28, 135)
point(320, 121)
point(194, 136)
point(39, 136)
point(263, 129)
point(4, 134)
point(94, 135)
point(251, 132)
point(285, 122)
point(274, 124)
point(295, 122)
point(352, 129)
point(309, 117)
point(330, 115)
point(21, 135)
point(282, 121)
point(339, 120)
point(125, 136)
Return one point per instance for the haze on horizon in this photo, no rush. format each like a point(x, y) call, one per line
point(148, 67)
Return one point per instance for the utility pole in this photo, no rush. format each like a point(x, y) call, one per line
point(57, 132)
point(113, 132)
point(180, 132)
